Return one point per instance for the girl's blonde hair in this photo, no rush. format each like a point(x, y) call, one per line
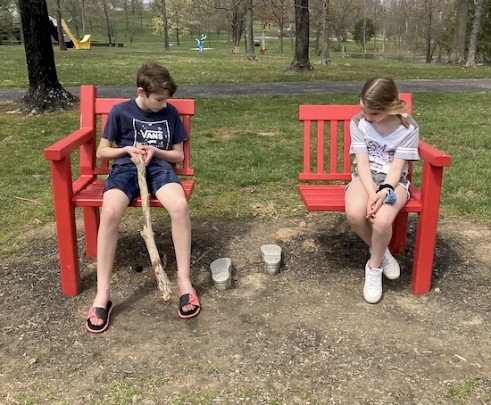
point(381, 94)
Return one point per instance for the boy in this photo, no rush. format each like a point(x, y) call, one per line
point(149, 120)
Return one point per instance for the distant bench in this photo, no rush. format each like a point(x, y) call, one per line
point(106, 44)
point(327, 167)
point(86, 190)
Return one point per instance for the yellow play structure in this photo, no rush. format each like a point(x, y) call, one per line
point(84, 43)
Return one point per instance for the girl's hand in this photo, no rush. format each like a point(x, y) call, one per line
point(374, 202)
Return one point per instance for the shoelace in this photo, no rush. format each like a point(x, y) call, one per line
point(373, 279)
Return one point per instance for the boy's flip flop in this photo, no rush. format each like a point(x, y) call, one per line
point(186, 299)
point(103, 313)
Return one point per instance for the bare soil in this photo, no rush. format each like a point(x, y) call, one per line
point(304, 336)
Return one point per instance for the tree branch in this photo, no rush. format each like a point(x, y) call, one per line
point(147, 232)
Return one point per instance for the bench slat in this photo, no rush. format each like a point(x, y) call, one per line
point(91, 196)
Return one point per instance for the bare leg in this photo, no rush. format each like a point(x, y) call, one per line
point(377, 233)
point(382, 227)
point(113, 207)
point(172, 197)
point(356, 211)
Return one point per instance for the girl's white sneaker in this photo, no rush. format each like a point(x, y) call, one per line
point(372, 290)
point(390, 266)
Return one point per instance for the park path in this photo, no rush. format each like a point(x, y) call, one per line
point(280, 88)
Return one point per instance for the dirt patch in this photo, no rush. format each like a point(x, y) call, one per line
point(304, 336)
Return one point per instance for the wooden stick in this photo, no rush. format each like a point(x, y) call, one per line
point(147, 232)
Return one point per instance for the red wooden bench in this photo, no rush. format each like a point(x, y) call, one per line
point(85, 188)
point(327, 168)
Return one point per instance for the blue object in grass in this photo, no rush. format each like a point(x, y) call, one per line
point(201, 41)
point(391, 197)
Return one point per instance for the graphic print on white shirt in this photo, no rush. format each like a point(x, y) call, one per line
point(155, 133)
point(382, 149)
point(380, 156)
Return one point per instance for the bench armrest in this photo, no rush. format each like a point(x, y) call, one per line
point(433, 156)
point(64, 147)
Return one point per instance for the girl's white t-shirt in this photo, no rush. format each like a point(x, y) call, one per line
point(401, 143)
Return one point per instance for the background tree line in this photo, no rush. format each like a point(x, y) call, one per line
point(439, 30)
point(456, 31)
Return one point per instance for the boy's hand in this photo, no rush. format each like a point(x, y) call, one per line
point(134, 152)
point(149, 152)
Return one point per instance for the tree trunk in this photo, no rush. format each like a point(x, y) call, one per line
point(476, 25)
point(108, 23)
point(165, 26)
point(83, 16)
point(282, 35)
point(429, 28)
point(325, 53)
point(61, 38)
point(301, 58)
point(237, 26)
point(249, 32)
point(458, 48)
point(45, 92)
point(279, 9)
point(178, 22)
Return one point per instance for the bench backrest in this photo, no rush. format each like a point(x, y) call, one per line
point(326, 140)
point(93, 114)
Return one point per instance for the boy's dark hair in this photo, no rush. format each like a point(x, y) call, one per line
point(155, 78)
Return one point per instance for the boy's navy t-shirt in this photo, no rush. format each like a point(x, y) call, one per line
point(127, 124)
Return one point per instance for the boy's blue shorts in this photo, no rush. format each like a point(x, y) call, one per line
point(125, 178)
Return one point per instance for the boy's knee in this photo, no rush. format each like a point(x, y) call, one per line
point(110, 215)
point(179, 209)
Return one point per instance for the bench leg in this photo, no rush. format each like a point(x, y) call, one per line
point(424, 249)
point(399, 234)
point(423, 256)
point(66, 228)
point(91, 224)
point(68, 253)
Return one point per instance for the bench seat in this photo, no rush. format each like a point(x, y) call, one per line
point(321, 197)
point(91, 195)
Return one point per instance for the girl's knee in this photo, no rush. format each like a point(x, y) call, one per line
point(382, 224)
point(355, 213)
point(355, 219)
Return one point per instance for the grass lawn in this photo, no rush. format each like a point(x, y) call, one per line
point(245, 149)
point(117, 66)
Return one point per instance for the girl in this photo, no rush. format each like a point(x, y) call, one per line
point(383, 139)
